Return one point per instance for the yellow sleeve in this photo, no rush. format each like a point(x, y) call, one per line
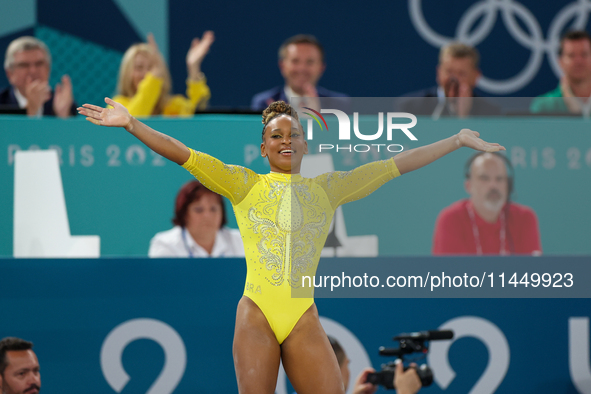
point(146, 97)
point(342, 187)
point(198, 93)
point(232, 182)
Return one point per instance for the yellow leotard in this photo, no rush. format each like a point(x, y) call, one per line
point(284, 221)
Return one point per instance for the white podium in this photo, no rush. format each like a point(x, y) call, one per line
point(41, 227)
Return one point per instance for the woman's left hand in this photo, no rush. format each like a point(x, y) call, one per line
point(197, 52)
point(469, 138)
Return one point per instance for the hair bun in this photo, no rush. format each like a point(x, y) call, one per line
point(278, 108)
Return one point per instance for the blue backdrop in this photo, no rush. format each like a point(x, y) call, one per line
point(76, 312)
point(380, 48)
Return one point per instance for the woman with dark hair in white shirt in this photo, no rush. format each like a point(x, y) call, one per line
point(199, 227)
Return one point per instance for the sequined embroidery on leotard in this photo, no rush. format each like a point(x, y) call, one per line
point(284, 222)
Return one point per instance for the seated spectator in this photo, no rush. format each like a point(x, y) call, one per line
point(199, 219)
point(574, 88)
point(301, 62)
point(144, 85)
point(488, 222)
point(19, 367)
point(28, 65)
point(457, 74)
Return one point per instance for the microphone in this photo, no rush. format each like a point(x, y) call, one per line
point(433, 335)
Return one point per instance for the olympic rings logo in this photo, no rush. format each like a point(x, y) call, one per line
point(531, 39)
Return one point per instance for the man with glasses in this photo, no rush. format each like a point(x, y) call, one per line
point(488, 222)
point(28, 64)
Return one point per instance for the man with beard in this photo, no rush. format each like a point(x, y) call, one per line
point(19, 367)
point(487, 222)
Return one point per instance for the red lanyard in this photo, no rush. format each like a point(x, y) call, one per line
point(476, 233)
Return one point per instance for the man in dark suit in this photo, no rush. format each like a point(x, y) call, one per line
point(301, 62)
point(457, 75)
point(28, 64)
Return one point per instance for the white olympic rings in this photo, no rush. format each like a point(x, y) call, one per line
point(532, 39)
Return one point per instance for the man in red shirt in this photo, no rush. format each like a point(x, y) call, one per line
point(487, 222)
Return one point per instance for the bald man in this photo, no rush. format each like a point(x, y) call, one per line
point(487, 222)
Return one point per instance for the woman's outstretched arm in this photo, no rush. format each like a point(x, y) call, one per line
point(416, 158)
point(118, 116)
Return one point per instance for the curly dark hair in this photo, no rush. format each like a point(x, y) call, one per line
point(276, 109)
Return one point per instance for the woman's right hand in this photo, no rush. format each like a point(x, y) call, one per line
point(196, 54)
point(117, 116)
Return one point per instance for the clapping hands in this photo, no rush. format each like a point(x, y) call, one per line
point(197, 52)
point(37, 93)
point(63, 97)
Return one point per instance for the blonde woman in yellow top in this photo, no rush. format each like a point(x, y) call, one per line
point(144, 85)
point(284, 220)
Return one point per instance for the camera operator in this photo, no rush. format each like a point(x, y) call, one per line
point(405, 382)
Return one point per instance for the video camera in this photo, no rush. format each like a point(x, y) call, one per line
point(408, 344)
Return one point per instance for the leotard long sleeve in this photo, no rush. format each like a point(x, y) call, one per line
point(284, 220)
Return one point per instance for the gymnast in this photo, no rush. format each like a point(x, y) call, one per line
point(284, 220)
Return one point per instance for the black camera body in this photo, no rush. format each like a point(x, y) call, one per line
point(409, 344)
point(386, 376)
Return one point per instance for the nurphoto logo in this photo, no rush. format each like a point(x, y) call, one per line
point(344, 133)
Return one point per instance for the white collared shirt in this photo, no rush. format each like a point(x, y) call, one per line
point(289, 93)
point(298, 101)
point(178, 243)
